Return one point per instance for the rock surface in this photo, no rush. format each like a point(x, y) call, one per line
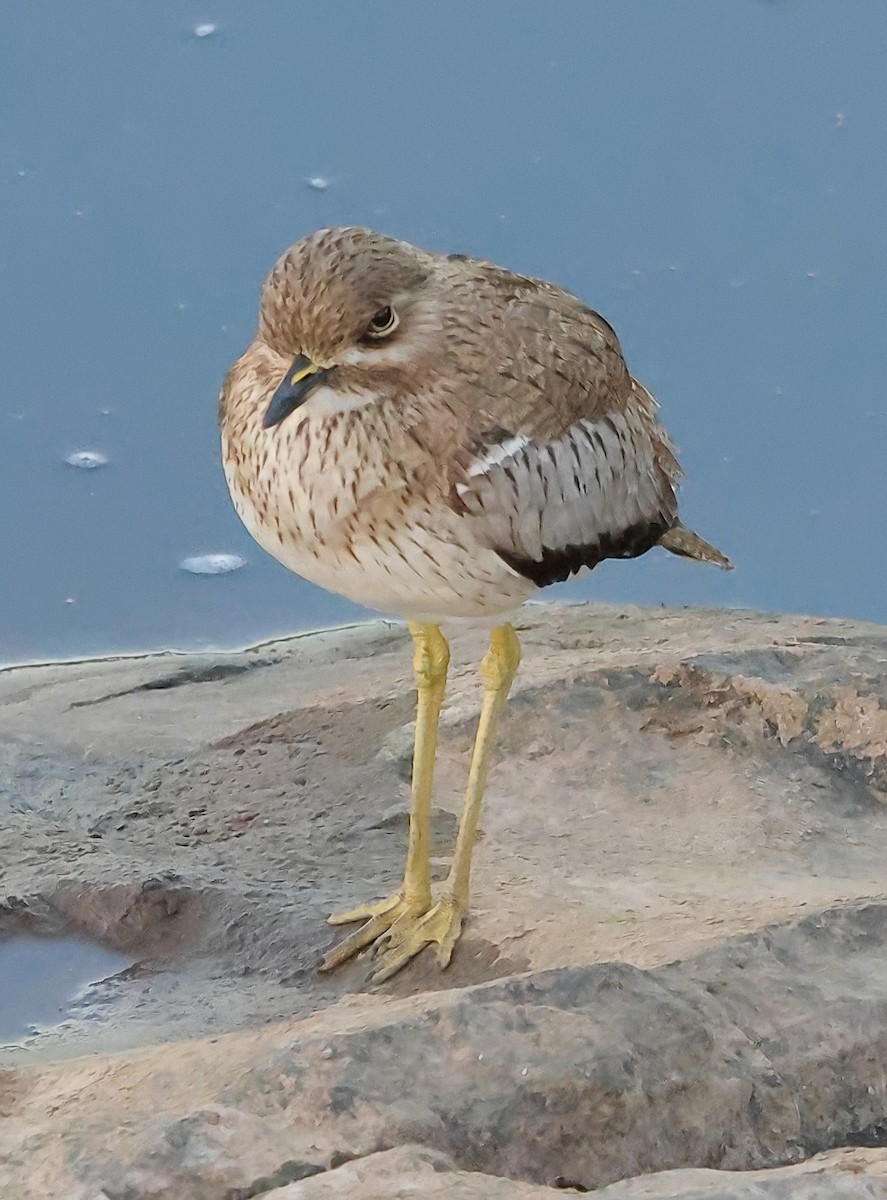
point(676, 960)
point(411, 1171)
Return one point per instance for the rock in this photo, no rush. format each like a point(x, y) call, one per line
point(414, 1171)
point(676, 959)
point(411, 1171)
point(851, 1173)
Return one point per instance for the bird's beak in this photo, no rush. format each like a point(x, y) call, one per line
point(302, 376)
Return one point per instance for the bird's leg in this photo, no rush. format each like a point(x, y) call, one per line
point(430, 662)
point(498, 669)
point(442, 924)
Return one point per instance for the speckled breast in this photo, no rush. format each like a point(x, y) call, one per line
point(313, 494)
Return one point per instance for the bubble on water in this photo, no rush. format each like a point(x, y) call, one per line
point(212, 564)
point(318, 183)
point(205, 29)
point(86, 460)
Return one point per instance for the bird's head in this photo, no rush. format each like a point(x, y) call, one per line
point(345, 309)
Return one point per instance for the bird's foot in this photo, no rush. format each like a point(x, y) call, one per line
point(412, 932)
point(377, 918)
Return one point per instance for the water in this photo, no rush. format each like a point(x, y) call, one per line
point(710, 176)
point(42, 977)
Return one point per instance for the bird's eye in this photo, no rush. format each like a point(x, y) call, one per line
point(383, 322)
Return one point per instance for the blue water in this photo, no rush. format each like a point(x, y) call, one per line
point(712, 177)
point(40, 977)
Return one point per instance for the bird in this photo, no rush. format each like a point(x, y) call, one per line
point(437, 437)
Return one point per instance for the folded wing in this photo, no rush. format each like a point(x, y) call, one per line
point(604, 488)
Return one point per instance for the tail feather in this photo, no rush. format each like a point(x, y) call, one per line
point(684, 542)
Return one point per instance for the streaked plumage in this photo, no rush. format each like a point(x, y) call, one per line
point(434, 436)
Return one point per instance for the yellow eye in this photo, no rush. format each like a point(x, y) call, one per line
point(383, 322)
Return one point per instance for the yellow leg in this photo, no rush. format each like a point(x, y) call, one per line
point(430, 662)
point(442, 924)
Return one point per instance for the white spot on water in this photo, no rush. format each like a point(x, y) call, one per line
point(212, 564)
point(318, 183)
point(86, 460)
point(205, 29)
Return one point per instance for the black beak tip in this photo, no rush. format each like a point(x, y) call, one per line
point(290, 395)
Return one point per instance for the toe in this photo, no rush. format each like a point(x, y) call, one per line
point(408, 937)
point(451, 933)
point(355, 942)
point(364, 912)
point(445, 952)
point(392, 961)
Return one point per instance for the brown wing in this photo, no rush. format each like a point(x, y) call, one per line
point(561, 460)
point(535, 359)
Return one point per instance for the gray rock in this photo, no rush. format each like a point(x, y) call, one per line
point(415, 1171)
point(676, 960)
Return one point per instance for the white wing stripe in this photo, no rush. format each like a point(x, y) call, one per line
point(496, 455)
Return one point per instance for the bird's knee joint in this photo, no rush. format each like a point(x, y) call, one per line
point(432, 658)
point(502, 660)
point(430, 672)
point(496, 675)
